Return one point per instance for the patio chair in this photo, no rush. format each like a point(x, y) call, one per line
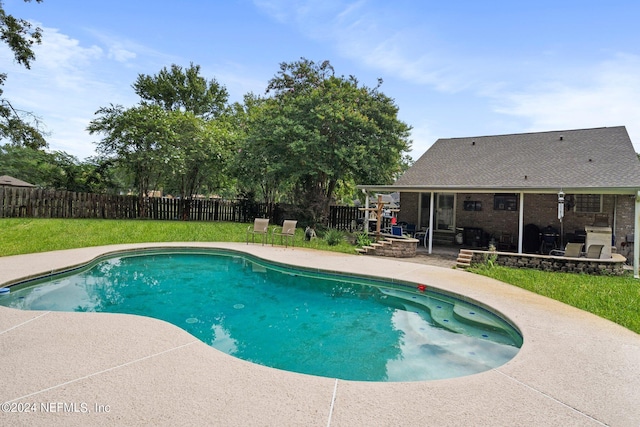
point(286, 232)
point(260, 227)
point(572, 250)
point(396, 230)
point(410, 229)
point(627, 247)
point(505, 242)
point(594, 251)
point(422, 235)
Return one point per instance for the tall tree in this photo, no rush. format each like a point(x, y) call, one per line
point(257, 166)
point(177, 136)
point(183, 89)
point(200, 107)
point(199, 154)
point(18, 126)
point(140, 139)
point(319, 131)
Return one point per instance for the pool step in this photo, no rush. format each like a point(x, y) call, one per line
point(460, 318)
point(441, 313)
point(443, 316)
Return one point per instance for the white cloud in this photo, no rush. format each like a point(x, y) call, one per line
point(66, 84)
point(380, 40)
point(606, 95)
point(121, 54)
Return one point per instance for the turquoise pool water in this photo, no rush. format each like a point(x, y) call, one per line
point(320, 324)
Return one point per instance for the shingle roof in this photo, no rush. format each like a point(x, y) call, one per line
point(582, 158)
point(9, 181)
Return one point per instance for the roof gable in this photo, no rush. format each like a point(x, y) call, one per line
point(599, 157)
point(9, 181)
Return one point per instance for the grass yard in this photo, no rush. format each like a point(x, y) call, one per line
point(22, 236)
point(616, 298)
point(613, 298)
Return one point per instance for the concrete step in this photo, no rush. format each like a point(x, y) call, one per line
point(464, 258)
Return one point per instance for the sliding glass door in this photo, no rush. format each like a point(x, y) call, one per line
point(445, 212)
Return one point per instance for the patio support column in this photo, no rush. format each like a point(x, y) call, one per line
point(431, 223)
point(366, 211)
point(636, 237)
point(521, 223)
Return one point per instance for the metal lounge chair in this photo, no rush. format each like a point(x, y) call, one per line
point(594, 251)
point(572, 250)
point(260, 227)
point(286, 232)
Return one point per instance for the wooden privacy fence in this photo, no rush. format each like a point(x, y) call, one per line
point(344, 217)
point(40, 203)
point(18, 202)
point(351, 218)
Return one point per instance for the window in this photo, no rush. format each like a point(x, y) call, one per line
point(472, 205)
point(505, 202)
point(588, 203)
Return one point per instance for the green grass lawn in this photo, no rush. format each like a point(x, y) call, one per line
point(613, 298)
point(616, 298)
point(21, 236)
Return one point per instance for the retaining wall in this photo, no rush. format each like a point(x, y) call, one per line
point(610, 266)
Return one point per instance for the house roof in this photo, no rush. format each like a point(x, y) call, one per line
point(576, 160)
point(9, 181)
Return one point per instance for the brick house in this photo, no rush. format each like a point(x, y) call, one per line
point(499, 189)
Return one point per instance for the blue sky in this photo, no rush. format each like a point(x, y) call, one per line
point(454, 68)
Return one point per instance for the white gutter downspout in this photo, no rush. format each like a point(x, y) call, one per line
point(521, 223)
point(431, 224)
point(636, 237)
point(615, 219)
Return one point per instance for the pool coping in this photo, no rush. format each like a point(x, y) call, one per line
point(574, 368)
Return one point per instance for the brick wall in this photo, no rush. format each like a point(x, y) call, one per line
point(409, 208)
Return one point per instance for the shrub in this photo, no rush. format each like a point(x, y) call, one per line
point(363, 239)
point(333, 237)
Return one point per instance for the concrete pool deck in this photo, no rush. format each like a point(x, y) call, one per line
point(574, 368)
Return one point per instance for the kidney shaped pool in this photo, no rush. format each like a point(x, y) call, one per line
point(318, 323)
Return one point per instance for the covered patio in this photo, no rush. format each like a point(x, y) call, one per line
point(496, 189)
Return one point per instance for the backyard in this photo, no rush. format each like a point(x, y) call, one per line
point(613, 298)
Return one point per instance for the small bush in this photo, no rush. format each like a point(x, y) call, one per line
point(491, 259)
point(333, 237)
point(363, 239)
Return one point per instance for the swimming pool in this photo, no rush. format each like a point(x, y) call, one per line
point(340, 326)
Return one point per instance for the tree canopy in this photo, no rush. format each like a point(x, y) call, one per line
point(174, 139)
point(18, 126)
point(183, 89)
point(307, 141)
point(316, 132)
